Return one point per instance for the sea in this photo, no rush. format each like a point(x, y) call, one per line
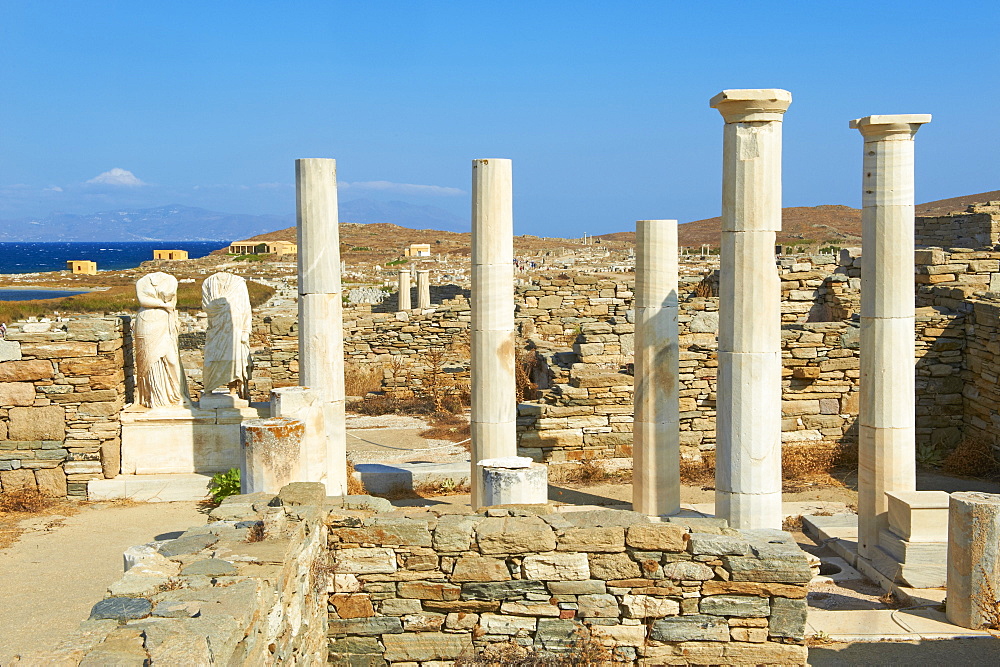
point(19, 257)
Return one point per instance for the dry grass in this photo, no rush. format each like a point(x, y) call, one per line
point(20, 504)
point(448, 426)
point(699, 472)
point(23, 500)
point(360, 379)
point(974, 456)
point(446, 488)
point(256, 533)
point(792, 524)
point(815, 465)
point(524, 366)
point(355, 486)
point(590, 472)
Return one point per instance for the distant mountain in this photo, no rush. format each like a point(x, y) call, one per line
point(164, 223)
point(186, 223)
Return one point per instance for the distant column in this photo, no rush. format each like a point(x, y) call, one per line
point(423, 289)
point(404, 289)
point(748, 421)
point(321, 320)
point(886, 434)
point(656, 451)
point(494, 398)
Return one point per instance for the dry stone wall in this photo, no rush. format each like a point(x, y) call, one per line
point(978, 227)
point(423, 588)
point(62, 386)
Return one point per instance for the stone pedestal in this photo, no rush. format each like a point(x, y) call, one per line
point(304, 405)
point(423, 289)
point(656, 451)
point(494, 398)
point(181, 440)
point(321, 321)
point(524, 485)
point(886, 429)
point(748, 423)
point(913, 549)
point(403, 282)
point(973, 558)
point(271, 454)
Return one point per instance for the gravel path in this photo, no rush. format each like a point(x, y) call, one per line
point(61, 566)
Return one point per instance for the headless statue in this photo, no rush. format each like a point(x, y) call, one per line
point(225, 299)
point(160, 380)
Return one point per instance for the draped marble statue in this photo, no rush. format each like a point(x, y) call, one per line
point(225, 299)
point(160, 380)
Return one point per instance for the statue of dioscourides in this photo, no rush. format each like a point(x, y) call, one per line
point(225, 299)
point(160, 377)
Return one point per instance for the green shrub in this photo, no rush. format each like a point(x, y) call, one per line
point(224, 484)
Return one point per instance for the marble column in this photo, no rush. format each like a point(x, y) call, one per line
point(423, 289)
point(748, 422)
point(404, 289)
point(886, 434)
point(321, 320)
point(656, 451)
point(494, 399)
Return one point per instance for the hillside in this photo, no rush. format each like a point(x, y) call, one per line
point(835, 224)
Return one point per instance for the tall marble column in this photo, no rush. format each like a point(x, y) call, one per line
point(321, 320)
point(494, 398)
point(403, 282)
point(656, 450)
point(424, 289)
point(886, 434)
point(748, 421)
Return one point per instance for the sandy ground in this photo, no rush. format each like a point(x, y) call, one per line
point(62, 565)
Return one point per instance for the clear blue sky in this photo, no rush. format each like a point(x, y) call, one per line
point(603, 106)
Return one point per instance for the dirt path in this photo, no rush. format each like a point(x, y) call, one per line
point(61, 566)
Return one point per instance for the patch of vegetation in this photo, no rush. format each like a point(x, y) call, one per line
point(117, 299)
point(974, 456)
point(255, 257)
point(361, 248)
point(397, 262)
point(224, 484)
point(23, 500)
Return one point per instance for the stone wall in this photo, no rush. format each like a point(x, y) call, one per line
point(981, 390)
point(428, 588)
point(978, 227)
point(62, 386)
point(248, 588)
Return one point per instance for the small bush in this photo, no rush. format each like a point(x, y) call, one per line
point(698, 472)
point(973, 457)
point(355, 486)
point(360, 379)
point(224, 484)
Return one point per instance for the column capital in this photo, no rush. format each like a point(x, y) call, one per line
point(753, 104)
point(899, 126)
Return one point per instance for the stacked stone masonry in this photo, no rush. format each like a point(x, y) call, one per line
point(62, 386)
point(424, 588)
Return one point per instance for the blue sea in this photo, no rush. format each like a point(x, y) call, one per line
point(38, 257)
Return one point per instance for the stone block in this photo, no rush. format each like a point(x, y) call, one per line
point(58, 350)
point(919, 516)
point(789, 570)
point(770, 653)
point(647, 606)
point(429, 590)
point(556, 567)
point(41, 423)
point(12, 480)
point(598, 606)
point(607, 539)
point(514, 535)
point(17, 394)
point(695, 627)
point(706, 544)
point(384, 531)
point(530, 609)
point(10, 350)
point(613, 566)
point(496, 624)
point(454, 533)
point(753, 588)
point(590, 587)
point(735, 605)
point(399, 607)
point(366, 560)
point(352, 605)
point(480, 569)
point(365, 627)
point(688, 571)
point(121, 609)
point(424, 621)
point(51, 482)
point(657, 537)
point(25, 371)
point(788, 618)
point(505, 590)
point(111, 458)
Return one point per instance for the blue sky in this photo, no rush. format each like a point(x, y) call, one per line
point(603, 106)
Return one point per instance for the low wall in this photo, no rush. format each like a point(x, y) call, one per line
point(428, 588)
point(979, 226)
point(62, 386)
point(217, 594)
